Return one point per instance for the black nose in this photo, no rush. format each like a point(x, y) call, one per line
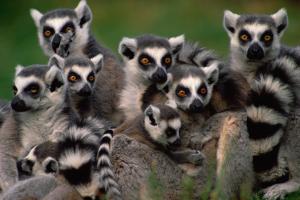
point(56, 42)
point(177, 142)
point(196, 106)
point(19, 105)
point(160, 76)
point(255, 52)
point(85, 91)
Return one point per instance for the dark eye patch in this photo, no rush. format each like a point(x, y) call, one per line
point(32, 89)
point(185, 89)
point(72, 73)
point(150, 59)
point(267, 33)
point(15, 89)
point(92, 74)
point(202, 90)
point(165, 59)
point(244, 32)
point(68, 25)
point(48, 28)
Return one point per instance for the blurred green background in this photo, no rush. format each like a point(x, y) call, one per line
point(199, 20)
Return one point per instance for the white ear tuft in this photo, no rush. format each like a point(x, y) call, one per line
point(281, 20)
point(84, 13)
point(212, 74)
point(19, 68)
point(153, 113)
point(98, 61)
point(229, 21)
point(36, 16)
point(128, 47)
point(57, 61)
point(177, 43)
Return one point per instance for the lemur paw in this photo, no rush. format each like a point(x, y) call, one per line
point(196, 157)
point(274, 192)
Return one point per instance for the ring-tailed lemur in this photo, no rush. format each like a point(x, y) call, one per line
point(146, 59)
point(81, 74)
point(159, 128)
point(66, 32)
point(80, 157)
point(38, 113)
point(273, 73)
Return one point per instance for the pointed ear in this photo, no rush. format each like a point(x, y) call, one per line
point(19, 68)
point(57, 61)
point(128, 47)
point(50, 165)
point(229, 22)
point(36, 16)
point(281, 21)
point(84, 13)
point(176, 43)
point(98, 62)
point(153, 113)
point(212, 74)
point(54, 78)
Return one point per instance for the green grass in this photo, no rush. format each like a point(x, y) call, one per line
point(199, 20)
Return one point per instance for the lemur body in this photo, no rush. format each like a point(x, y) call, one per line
point(4, 109)
point(66, 32)
point(80, 157)
point(159, 128)
point(146, 59)
point(273, 72)
point(38, 114)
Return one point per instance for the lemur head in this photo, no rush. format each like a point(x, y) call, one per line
point(255, 38)
point(63, 30)
point(148, 57)
point(163, 124)
point(80, 72)
point(191, 87)
point(37, 87)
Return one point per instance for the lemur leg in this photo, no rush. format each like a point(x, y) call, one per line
point(234, 160)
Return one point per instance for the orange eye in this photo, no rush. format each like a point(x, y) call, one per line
point(145, 61)
point(47, 33)
point(69, 29)
point(267, 38)
point(244, 37)
point(91, 78)
point(181, 93)
point(72, 78)
point(168, 60)
point(203, 91)
point(34, 91)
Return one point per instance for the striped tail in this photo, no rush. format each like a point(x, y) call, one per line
point(273, 95)
point(107, 178)
point(193, 54)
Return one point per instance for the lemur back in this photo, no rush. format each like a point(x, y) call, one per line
point(66, 32)
point(38, 113)
point(273, 72)
point(80, 157)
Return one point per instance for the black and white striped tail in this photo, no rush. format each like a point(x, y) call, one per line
point(274, 93)
point(107, 178)
point(193, 54)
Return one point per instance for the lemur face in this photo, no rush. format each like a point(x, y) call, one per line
point(149, 56)
point(80, 72)
point(192, 87)
point(37, 87)
point(163, 125)
point(255, 38)
point(62, 31)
